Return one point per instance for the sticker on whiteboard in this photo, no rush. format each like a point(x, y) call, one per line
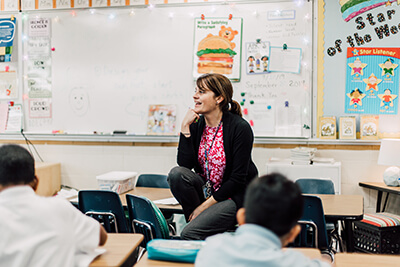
point(40, 108)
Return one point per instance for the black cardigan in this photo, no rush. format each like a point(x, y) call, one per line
point(238, 143)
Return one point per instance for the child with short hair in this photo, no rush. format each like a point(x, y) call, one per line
point(40, 231)
point(268, 221)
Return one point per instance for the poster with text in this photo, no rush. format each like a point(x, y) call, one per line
point(372, 80)
point(7, 34)
point(257, 55)
point(40, 108)
point(217, 47)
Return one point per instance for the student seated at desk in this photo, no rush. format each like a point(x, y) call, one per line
point(272, 206)
point(40, 231)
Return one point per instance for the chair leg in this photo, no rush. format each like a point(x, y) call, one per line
point(142, 250)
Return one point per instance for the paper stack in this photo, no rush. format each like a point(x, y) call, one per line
point(322, 161)
point(302, 155)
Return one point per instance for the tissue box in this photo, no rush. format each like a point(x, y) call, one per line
point(117, 181)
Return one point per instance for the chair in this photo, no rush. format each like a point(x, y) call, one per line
point(321, 186)
point(146, 218)
point(152, 180)
point(158, 181)
point(316, 186)
point(105, 207)
point(313, 233)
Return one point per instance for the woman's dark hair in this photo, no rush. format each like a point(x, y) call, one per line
point(221, 86)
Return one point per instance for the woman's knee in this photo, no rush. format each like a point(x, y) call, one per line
point(175, 175)
point(188, 233)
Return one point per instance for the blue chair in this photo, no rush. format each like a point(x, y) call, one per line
point(158, 181)
point(322, 186)
point(313, 233)
point(146, 218)
point(152, 180)
point(316, 186)
point(105, 207)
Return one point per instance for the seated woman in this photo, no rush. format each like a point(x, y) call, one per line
point(216, 142)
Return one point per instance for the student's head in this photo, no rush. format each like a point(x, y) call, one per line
point(274, 202)
point(221, 86)
point(17, 167)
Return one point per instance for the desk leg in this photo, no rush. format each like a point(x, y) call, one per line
point(384, 204)
point(378, 201)
point(349, 235)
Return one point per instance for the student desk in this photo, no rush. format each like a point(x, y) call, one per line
point(366, 260)
point(49, 176)
point(145, 262)
point(120, 251)
point(381, 187)
point(346, 208)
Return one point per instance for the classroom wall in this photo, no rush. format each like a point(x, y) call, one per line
point(81, 163)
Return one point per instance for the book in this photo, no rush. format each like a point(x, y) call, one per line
point(327, 127)
point(369, 127)
point(347, 127)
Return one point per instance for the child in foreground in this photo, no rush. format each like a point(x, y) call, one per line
point(268, 221)
point(40, 231)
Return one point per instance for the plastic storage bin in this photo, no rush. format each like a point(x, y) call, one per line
point(117, 181)
point(378, 233)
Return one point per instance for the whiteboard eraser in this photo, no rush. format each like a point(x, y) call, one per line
point(119, 132)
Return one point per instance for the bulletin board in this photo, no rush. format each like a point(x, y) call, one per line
point(102, 68)
point(361, 54)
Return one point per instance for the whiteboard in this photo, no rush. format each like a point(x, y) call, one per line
point(118, 61)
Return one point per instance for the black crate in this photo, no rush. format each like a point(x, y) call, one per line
point(373, 239)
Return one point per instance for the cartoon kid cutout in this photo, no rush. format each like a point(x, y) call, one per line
point(357, 67)
point(388, 67)
point(387, 98)
point(372, 84)
point(355, 97)
point(264, 59)
point(251, 59)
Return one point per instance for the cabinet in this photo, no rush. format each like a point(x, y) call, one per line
point(49, 176)
point(293, 172)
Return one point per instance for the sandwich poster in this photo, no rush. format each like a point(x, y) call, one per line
point(217, 47)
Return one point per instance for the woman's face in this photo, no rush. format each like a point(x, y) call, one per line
point(205, 101)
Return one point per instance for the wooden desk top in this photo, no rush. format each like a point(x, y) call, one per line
point(366, 260)
point(145, 262)
point(118, 249)
point(349, 207)
point(152, 193)
point(381, 187)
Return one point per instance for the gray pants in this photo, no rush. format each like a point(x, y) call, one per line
point(186, 186)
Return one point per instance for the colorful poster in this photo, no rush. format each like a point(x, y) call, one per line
point(257, 55)
point(162, 120)
point(372, 80)
point(7, 34)
point(217, 47)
